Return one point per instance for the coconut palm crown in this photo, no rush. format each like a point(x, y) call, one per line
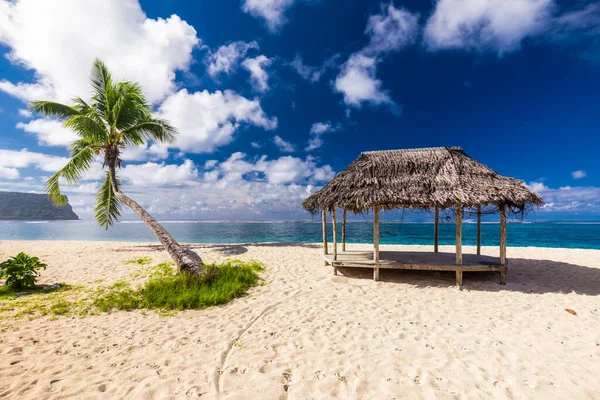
point(117, 116)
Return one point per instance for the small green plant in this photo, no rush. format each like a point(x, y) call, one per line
point(21, 271)
point(139, 261)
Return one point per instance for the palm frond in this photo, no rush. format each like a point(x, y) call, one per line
point(102, 87)
point(88, 127)
point(150, 129)
point(108, 207)
point(51, 108)
point(82, 158)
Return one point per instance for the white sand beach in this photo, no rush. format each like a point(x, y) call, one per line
point(305, 334)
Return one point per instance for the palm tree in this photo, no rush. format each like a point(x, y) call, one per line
point(118, 115)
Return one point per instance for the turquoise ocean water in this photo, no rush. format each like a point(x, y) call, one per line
point(570, 235)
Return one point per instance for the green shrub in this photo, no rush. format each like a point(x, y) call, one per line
point(21, 271)
point(181, 291)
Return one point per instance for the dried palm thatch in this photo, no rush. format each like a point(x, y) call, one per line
point(420, 178)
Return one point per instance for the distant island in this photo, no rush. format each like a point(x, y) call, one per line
point(32, 207)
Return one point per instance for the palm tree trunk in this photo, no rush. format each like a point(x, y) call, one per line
point(186, 260)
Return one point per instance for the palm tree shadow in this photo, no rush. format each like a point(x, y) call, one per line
point(238, 249)
point(523, 275)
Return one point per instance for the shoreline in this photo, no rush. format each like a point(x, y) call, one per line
point(306, 334)
point(291, 244)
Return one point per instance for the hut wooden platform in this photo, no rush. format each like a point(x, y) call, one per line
point(434, 179)
point(410, 260)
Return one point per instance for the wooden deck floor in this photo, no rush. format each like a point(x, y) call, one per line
point(417, 261)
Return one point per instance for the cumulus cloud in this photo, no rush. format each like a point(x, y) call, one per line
point(154, 174)
point(495, 25)
point(26, 159)
point(568, 198)
point(578, 174)
point(207, 121)
point(391, 30)
point(9, 173)
point(226, 58)
point(284, 170)
point(271, 11)
point(316, 132)
point(284, 147)
point(135, 47)
point(25, 113)
point(358, 82)
point(258, 75)
point(49, 132)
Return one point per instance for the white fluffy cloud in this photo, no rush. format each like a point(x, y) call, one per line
point(578, 174)
point(391, 30)
point(208, 120)
point(271, 11)
point(316, 132)
point(284, 147)
point(258, 75)
point(9, 173)
point(284, 170)
point(226, 58)
point(568, 198)
point(312, 74)
point(26, 159)
point(155, 174)
point(495, 25)
point(51, 44)
point(49, 132)
point(358, 82)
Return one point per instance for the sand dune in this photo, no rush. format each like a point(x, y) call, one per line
point(308, 335)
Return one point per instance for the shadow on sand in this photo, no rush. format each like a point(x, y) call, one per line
point(523, 275)
point(228, 250)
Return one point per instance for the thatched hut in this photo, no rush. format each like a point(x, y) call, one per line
point(430, 179)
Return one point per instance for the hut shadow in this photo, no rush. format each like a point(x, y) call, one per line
point(523, 275)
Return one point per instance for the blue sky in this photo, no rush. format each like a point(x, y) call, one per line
point(273, 97)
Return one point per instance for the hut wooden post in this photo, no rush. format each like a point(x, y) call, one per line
point(503, 244)
point(478, 230)
point(334, 227)
point(459, 234)
point(344, 231)
point(376, 242)
point(324, 223)
point(459, 258)
point(436, 229)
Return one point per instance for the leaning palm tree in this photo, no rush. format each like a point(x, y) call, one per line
point(118, 115)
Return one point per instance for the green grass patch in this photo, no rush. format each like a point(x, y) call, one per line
point(139, 261)
point(167, 291)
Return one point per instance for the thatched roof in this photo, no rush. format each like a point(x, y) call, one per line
point(420, 178)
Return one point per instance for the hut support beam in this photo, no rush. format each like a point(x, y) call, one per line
point(459, 257)
point(344, 231)
point(324, 223)
point(334, 227)
point(479, 230)
point(376, 242)
point(436, 229)
point(325, 246)
point(503, 244)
